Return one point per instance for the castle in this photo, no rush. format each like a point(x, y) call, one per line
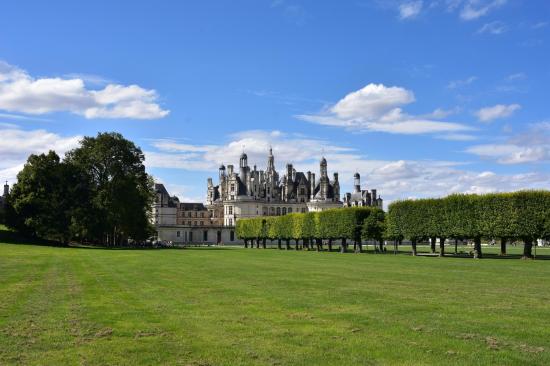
point(249, 193)
point(253, 192)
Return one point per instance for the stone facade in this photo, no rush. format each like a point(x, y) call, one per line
point(361, 197)
point(251, 192)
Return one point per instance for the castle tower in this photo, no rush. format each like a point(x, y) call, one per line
point(244, 161)
point(221, 173)
point(323, 181)
point(336, 188)
point(270, 161)
point(6, 190)
point(356, 183)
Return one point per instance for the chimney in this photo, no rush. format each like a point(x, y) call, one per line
point(289, 171)
point(312, 184)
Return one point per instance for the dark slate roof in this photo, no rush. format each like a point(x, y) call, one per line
point(192, 206)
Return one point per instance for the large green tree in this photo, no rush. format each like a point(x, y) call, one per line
point(119, 191)
point(41, 203)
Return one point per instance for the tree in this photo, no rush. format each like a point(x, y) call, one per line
point(120, 192)
point(40, 203)
point(374, 225)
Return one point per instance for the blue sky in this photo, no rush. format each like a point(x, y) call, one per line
point(423, 98)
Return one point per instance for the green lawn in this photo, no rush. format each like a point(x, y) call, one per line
point(268, 307)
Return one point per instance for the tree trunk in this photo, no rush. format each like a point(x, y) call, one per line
point(343, 246)
point(358, 246)
point(503, 246)
point(477, 248)
point(330, 245)
point(319, 244)
point(287, 242)
point(527, 247)
point(441, 247)
point(413, 246)
point(263, 243)
point(257, 243)
point(432, 244)
point(279, 244)
point(456, 246)
point(381, 243)
point(245, 243)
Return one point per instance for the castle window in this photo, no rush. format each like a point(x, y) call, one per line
point(290, 210)
point(201, 223)
point(230, 210)
point(232, 188)
point(232, 235)
point(302, 191)
point(194, 223)
point(205, 235)
point(284, 210)
point(278, 211)
point(178, 234)
point(230, 221)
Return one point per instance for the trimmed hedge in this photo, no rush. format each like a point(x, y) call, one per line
point(335, 224)
point(523, 215)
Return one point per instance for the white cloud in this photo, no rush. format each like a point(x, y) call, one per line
point(474, 9)
point(489, 114)
point(496, 27)
point(17, 144)
point(531, 146)
point(460, 83)
point(19, 92)
point(394, 179)
point(517, 76)
point(377, 107)
point(410, 9)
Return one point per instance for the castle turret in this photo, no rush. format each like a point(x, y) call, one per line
point(312, 181)
point(323, 181)
point(336, 188)
point(356, 183)
point(221, 171)
point(6, 190)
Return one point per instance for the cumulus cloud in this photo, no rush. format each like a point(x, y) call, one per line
point(489, 114)
point(377, 107)
point(20, 92)
point(394, 179)
point(17, 144)
point(531, 146)
point(410, 9)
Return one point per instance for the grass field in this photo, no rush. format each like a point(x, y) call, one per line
point(268, 307)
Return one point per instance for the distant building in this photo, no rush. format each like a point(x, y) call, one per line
point(253, 192)
point(250, 193)
point(3, 199)
point(360, 198)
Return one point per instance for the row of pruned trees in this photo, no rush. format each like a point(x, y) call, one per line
point(348, 225)
point(523, 215)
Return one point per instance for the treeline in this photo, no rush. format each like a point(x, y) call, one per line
point(523, 215)
point(98, 194)
point(346, 224)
